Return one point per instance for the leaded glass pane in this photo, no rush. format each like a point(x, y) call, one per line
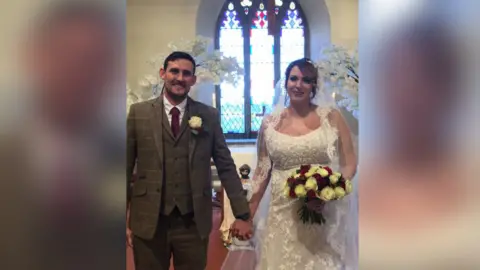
point(292, 40)
point(260, 56)
point(232, 98)
point(246, 4)
point(262, 68)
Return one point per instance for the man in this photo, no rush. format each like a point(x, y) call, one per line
point(170, 202)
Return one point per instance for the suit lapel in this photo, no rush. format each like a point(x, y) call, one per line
point(166, 123)
point(184, 122)
point(192, 140)
point(157, 122)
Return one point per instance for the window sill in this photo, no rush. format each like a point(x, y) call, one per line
point(242, 146)
point(241, 142)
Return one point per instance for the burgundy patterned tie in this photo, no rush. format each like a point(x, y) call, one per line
point(175, 112)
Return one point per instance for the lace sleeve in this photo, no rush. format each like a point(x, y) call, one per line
point(346, 149)
point(261, 176)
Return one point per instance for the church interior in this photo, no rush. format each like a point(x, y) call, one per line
point(153, 24)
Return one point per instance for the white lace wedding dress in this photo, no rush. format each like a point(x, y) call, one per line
point(285, 242)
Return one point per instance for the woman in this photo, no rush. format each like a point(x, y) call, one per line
point(302, 132)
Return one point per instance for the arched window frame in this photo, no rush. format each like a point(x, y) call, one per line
point(245, 20)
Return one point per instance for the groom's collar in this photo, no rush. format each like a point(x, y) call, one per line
point(168, 106)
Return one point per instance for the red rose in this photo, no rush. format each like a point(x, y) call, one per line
point(341, 184)
point(301, 180)
point(304, 169)
point(311, 194)
point(291, 181)
point(292, 193)
point(328, 170)
point(322, 182)
point(317, 176)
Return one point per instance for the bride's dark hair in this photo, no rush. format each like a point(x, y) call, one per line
point(308, 69)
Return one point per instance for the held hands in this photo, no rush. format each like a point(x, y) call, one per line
point(242, 230)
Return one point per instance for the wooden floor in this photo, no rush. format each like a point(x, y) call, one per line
point(216, 251)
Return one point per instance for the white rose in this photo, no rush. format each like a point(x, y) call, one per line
point(323, 172)
point(311, 184)
point(327, 194)
point(300, 191)
point(333, 179)
point(195, 122)
point(286, 191)
point(348, 186)
point(311, 172)
point(339, 192)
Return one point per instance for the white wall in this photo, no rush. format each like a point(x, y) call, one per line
point(152, 24)
point(244, 154)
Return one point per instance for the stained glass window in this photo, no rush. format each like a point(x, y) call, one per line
point(243, 33)
point(292, 38)
point(262, 67)
point(232, 101)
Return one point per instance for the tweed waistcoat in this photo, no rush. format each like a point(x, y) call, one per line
point(176, 190)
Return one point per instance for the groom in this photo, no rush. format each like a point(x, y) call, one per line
point(170, 203)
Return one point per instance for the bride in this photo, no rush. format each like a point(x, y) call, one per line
point(303, 129)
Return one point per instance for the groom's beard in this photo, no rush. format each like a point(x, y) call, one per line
point(176, 97)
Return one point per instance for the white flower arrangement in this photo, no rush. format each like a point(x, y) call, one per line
point(212, 67)
point(136, 96)
point(340, 72)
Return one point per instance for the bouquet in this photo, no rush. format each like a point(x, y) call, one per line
point(315, 183)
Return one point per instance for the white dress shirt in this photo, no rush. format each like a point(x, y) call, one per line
point(168, 107)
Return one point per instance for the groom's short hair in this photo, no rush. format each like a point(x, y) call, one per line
point(179, 55)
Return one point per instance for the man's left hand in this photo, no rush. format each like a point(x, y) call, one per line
point(241, 229)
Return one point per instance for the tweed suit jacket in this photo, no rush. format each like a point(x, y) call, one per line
point(145, 150)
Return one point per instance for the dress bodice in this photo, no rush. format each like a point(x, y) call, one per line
point(316, 147)
point(285, 241)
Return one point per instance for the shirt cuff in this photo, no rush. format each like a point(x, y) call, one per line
point(244, 217)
